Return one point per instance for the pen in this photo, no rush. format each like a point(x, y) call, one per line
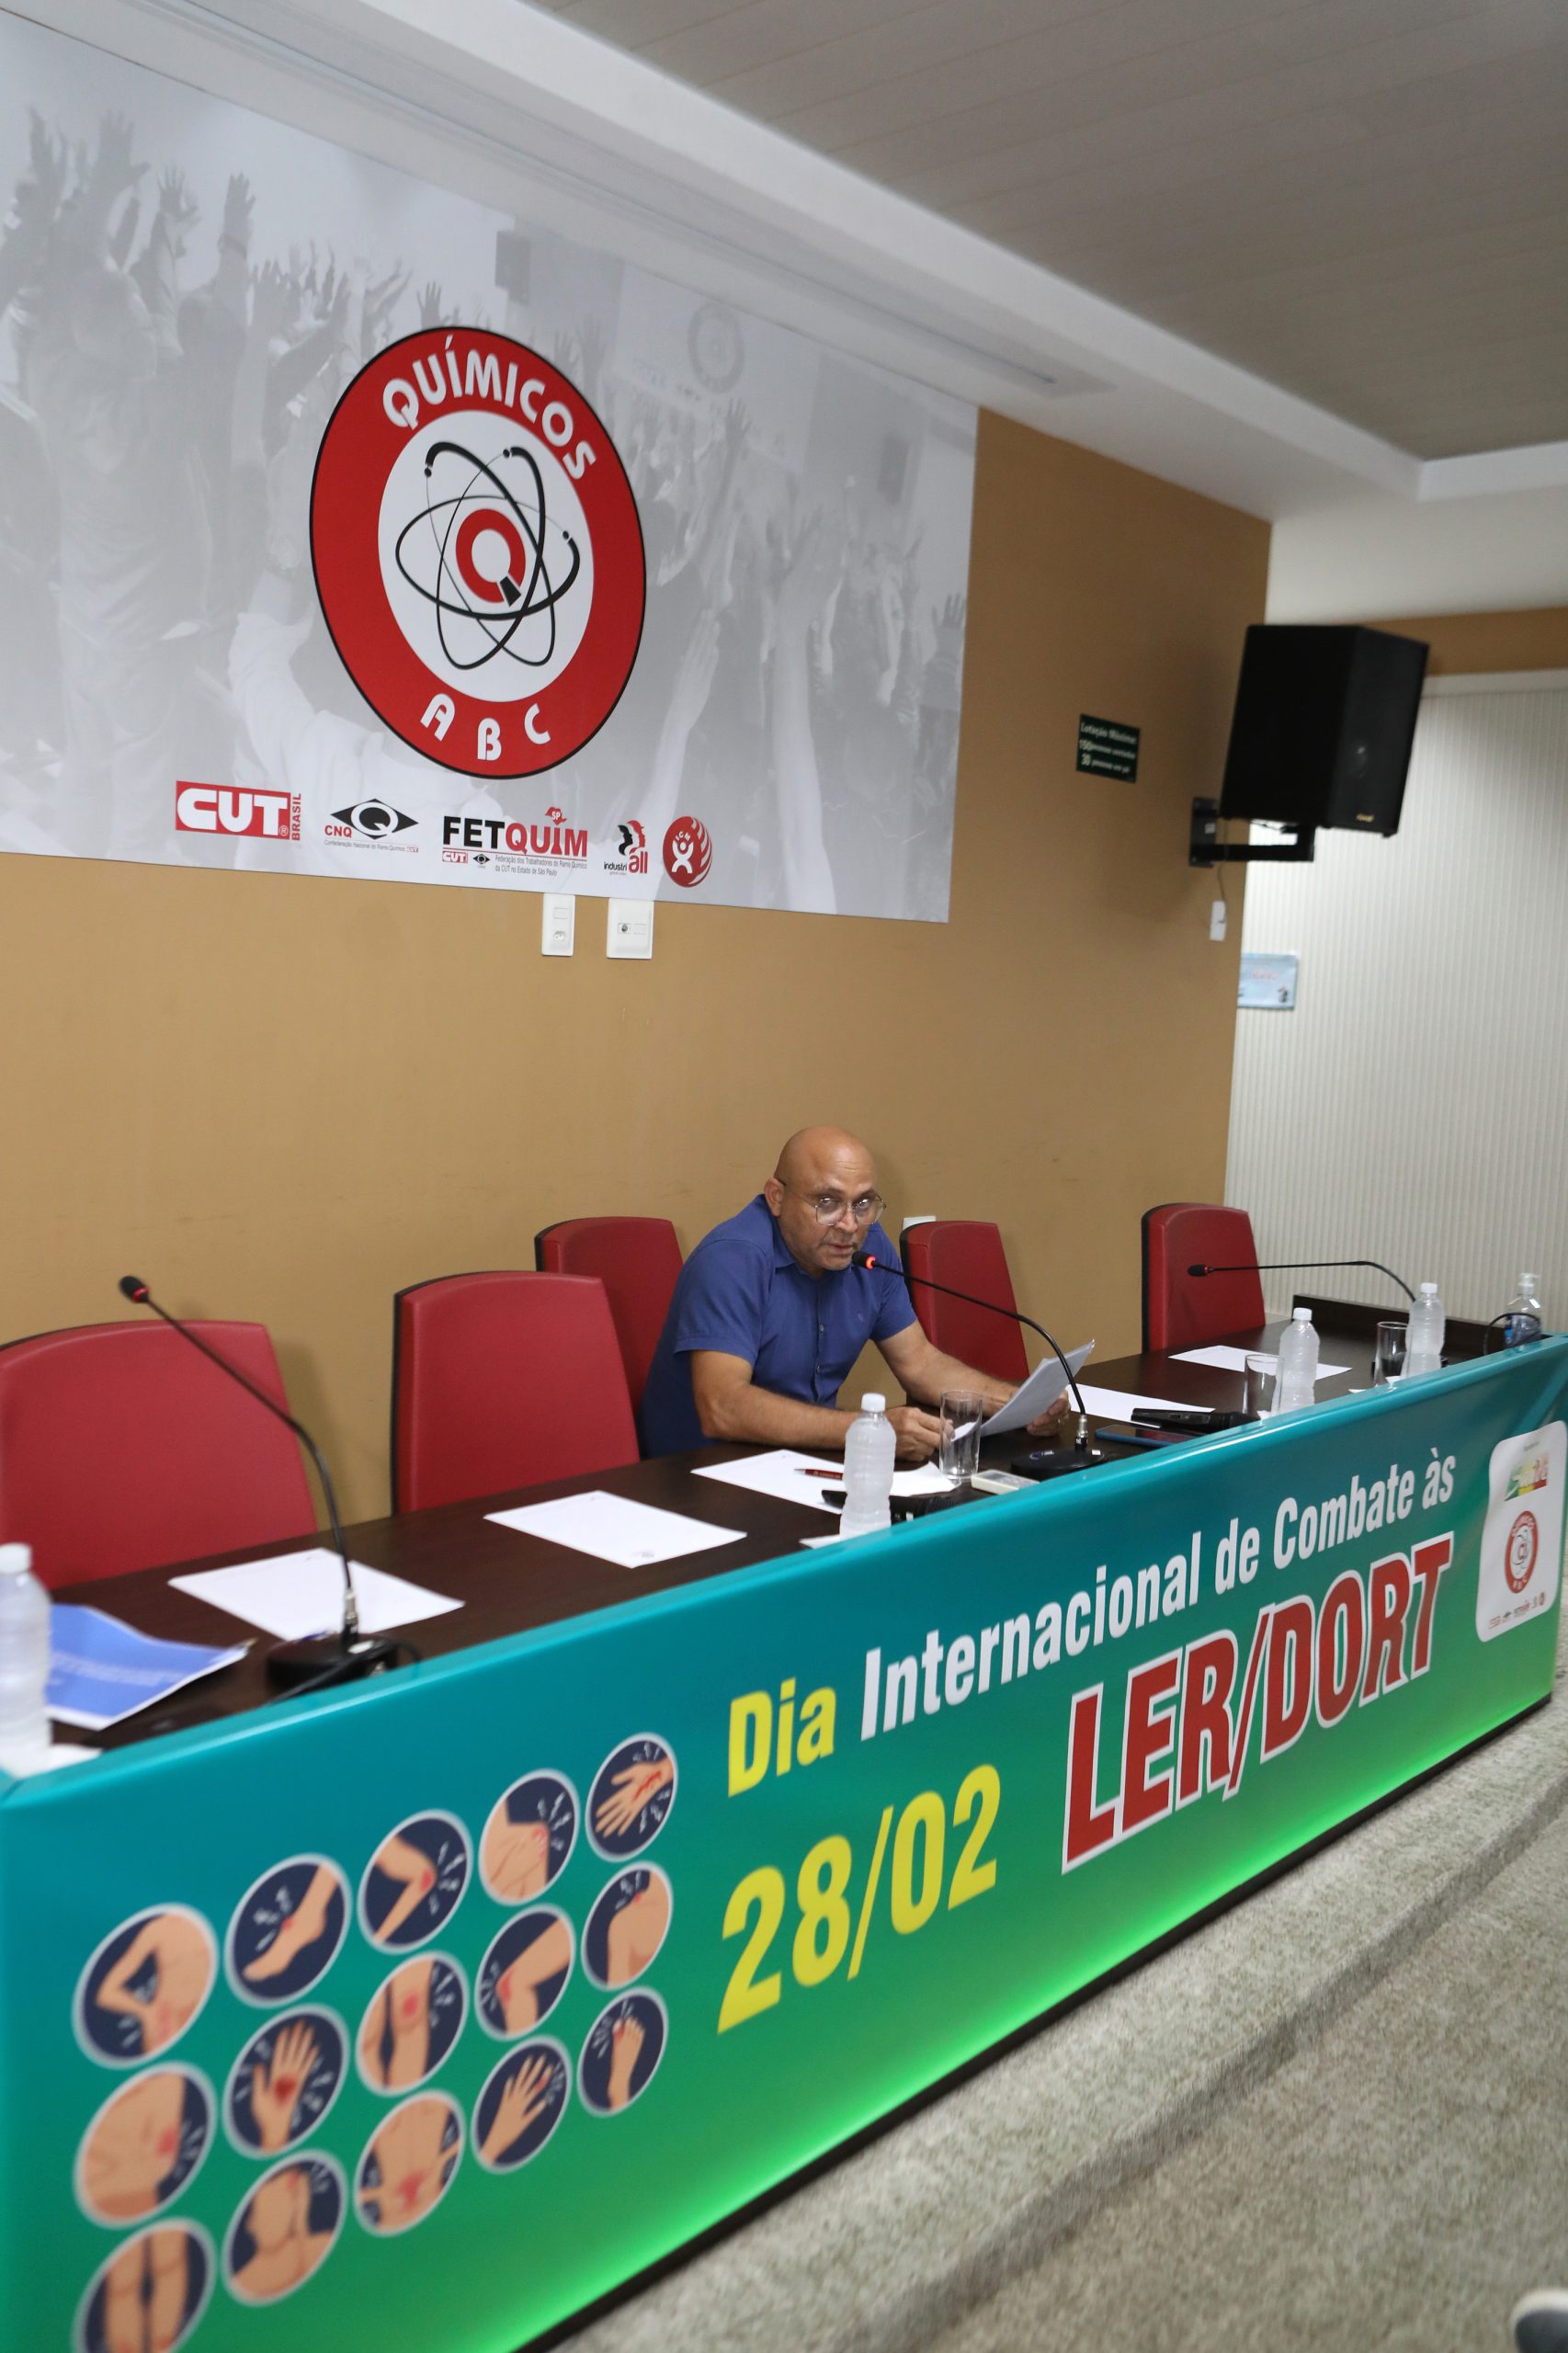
point(804, 1474)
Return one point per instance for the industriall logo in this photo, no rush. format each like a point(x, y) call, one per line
point(629, 854)
point(477, 553)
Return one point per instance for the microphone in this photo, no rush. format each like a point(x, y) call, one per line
point(322, 1659)
point(1082, 1453)
point(1301, 1266)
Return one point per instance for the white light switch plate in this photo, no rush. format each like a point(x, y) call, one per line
point(629, 929)
point(559, 923)
point(1217, 919)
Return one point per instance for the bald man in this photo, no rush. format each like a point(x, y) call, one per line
point(769, 1315)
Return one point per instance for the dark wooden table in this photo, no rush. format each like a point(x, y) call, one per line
point(508, 1583)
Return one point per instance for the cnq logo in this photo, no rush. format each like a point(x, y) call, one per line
point(219, 809)
point(373, 821)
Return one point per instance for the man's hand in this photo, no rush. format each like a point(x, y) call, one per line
point(1054, 1415)
point(919, 1434)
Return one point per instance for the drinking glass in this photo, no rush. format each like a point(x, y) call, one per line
point(962, 1411)
point(1388, 1353)
point(1259, 1402)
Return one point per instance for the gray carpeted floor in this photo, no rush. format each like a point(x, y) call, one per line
point(1333, 2119)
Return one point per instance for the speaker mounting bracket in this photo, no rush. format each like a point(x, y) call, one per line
point(1206, 849)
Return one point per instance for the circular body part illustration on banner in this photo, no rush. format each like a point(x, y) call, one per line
point(477, 553)
point(414, 1882)
point(411, 2023)
point(622, 2052)
point(287, 1929)
point(151, 2290)
point(531, 1833)
point(523, 1975)
point(286, 2228)
point(632, 1793)
point(409, 2162)
point(627, 1926)
point(143, 2146)
point(146, 1982)
point(284, 2080)
point(522, 2101)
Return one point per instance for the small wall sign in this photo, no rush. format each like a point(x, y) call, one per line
point(1268, 983)
point(1106, 747)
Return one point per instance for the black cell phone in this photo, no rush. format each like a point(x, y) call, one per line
point(1200, 1418)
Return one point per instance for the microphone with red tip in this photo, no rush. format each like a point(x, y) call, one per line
point(1301, 1266)
point(1081, 1452)
point(326, 1659)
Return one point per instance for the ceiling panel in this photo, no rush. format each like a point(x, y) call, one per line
point(1368, 205)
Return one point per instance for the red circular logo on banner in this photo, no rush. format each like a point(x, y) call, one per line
point(689, 851)
point(1518, 1553)
point(477, 553)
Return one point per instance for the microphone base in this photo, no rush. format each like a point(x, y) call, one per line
point(327, 1659)
point(1046, 1465)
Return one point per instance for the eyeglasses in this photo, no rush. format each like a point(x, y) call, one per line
point(830, 1207)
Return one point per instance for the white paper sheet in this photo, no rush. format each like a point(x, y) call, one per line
point(295, 1594)
point(1225, 1359)
point(613, 1527)
point(1043, 1387)
point(47, 1760)
point(1120, 1404)
point(794, 1478)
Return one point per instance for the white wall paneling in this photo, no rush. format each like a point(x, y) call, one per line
point(1414, 1107)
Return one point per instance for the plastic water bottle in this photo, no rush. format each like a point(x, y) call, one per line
point(1423, 1347)
point(868, 1469)
point(24, 1659)
point(1522, 1317)
point(1298, 1363)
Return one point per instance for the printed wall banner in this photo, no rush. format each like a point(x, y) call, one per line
point(350, 527)
point(425, 2012)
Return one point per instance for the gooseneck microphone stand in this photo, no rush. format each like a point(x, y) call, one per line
point(322, 1659)
point(1080, 1454)
point(1302, 1266)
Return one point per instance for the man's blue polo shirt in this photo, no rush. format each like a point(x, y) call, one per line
point(741, 1292)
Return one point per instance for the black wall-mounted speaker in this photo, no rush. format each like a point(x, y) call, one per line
point(1323, 723)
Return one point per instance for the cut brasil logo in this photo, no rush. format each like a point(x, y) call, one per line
point(477, 553)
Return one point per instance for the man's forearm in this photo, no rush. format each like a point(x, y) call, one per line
point(749, 1416)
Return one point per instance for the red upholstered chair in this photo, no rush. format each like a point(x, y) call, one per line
point(504, 1380)
point(1183, 1311)
point(638, 1260)
point(968, 1254)
point(121, 1447)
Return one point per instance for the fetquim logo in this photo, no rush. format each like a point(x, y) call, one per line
point(477, 553)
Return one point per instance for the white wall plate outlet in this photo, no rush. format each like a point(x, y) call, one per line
point(559, 923)
point(629, 928)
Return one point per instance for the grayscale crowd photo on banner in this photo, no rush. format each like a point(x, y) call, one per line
point(350, 527)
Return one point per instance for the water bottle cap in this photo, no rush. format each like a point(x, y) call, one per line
point(1527, 1284)
point(1300, 1316)
point(1428, 1291)
point(873, 1403)
point(16, 1560)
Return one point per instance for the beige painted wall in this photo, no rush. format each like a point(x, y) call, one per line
point(284, 1098)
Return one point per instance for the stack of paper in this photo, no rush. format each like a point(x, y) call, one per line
point(101, 1670)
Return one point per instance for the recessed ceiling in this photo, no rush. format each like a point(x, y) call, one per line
point(1366, 205)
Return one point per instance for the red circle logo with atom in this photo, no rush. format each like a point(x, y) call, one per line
point(477, 553)
point(1519, 1552)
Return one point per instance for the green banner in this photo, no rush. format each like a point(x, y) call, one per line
point(423, 2013)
